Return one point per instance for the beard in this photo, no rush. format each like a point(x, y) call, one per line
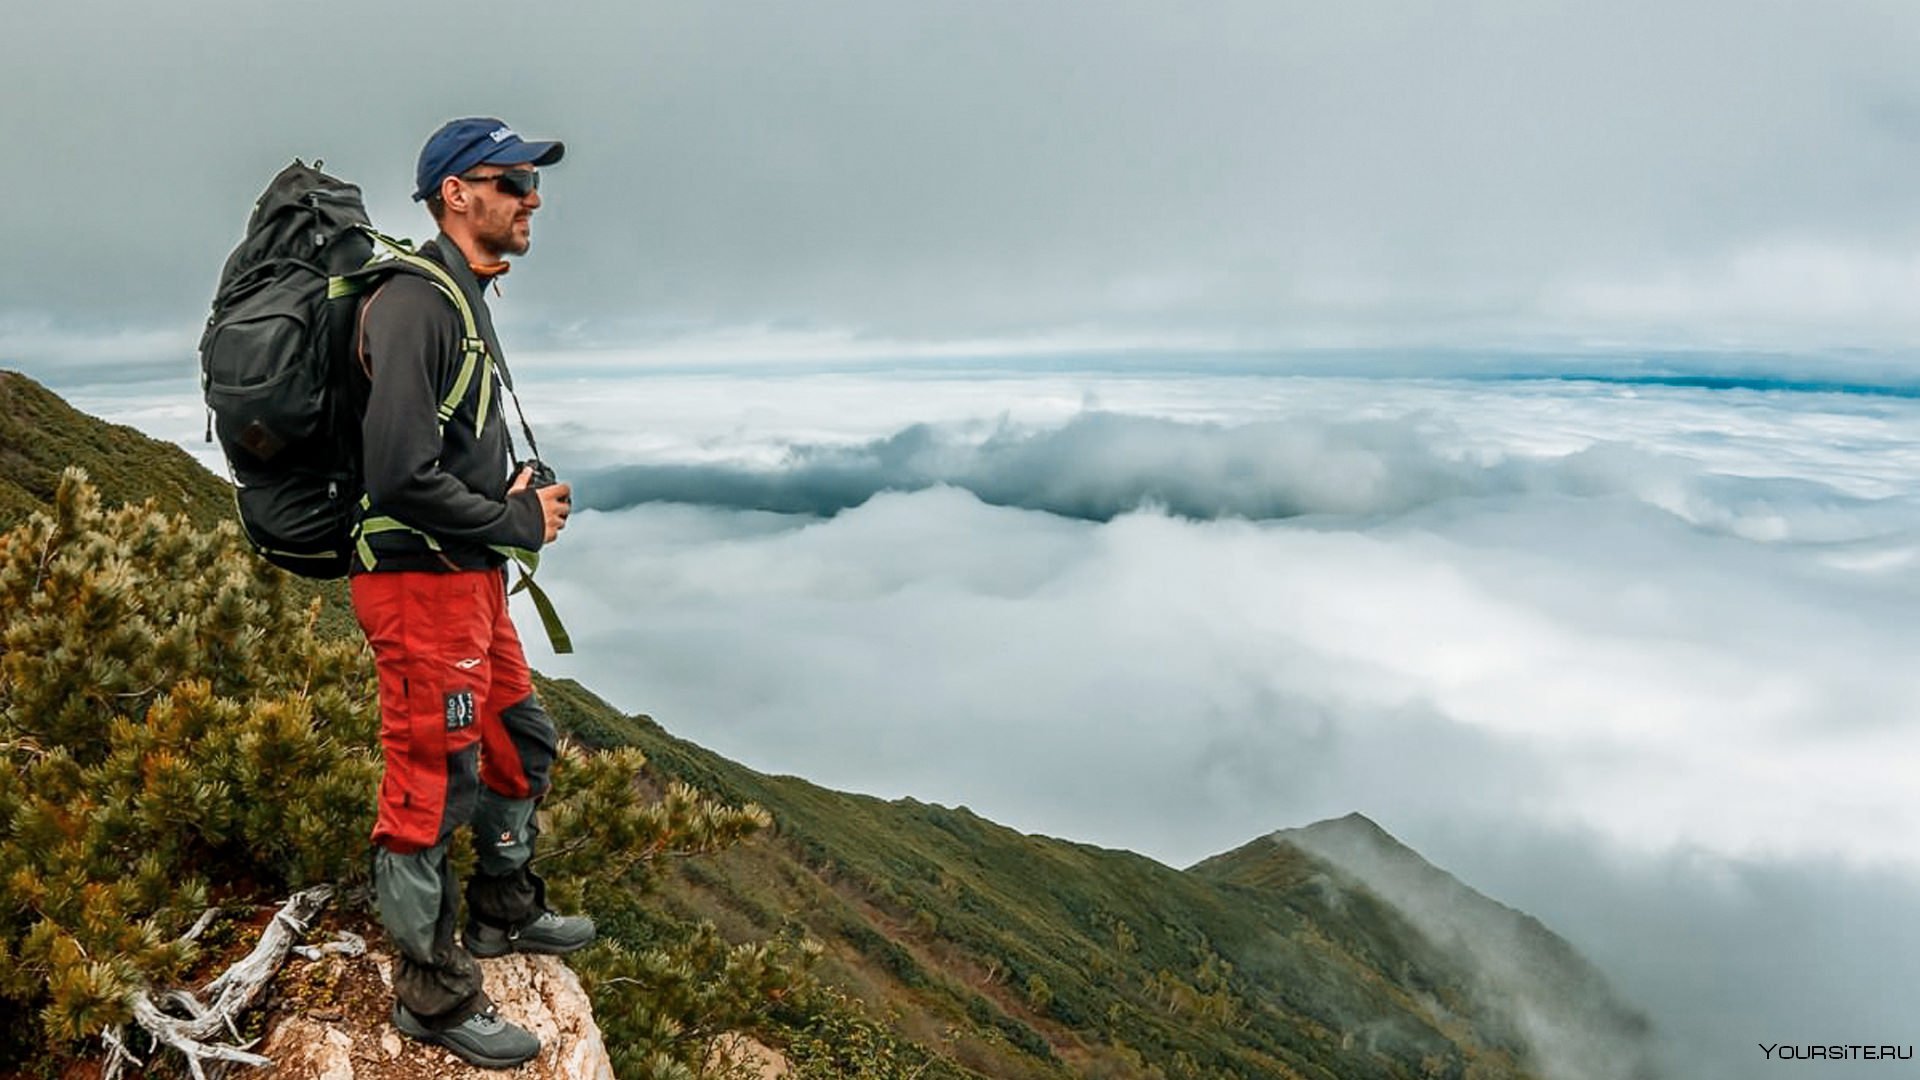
point(500, 237)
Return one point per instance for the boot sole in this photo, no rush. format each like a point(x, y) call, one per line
point(413, 1029)
point(534, 950)
point(487, 952)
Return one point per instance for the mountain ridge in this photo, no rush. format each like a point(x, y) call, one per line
point(1563, 1004)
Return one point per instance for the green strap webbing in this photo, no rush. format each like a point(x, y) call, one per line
point(486, 386)
point(549, 619)
point(379, 523)
point(474, 356)
point(473, 348)
point(460, 384)
point(529, 561)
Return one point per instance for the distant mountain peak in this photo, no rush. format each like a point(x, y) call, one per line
point(1564, 1006)
point(1352, 826)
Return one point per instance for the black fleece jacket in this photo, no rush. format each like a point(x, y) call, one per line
point(450, 484)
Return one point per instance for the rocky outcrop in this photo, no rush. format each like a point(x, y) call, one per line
point(331, 1023)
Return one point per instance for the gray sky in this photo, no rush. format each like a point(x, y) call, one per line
point(1723, 172)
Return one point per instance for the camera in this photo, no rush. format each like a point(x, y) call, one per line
point(542, 473)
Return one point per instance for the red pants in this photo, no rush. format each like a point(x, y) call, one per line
point(456, 702)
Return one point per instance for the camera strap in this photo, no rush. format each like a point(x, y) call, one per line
point(506, 381)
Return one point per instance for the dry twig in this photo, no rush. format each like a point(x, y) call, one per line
point(232, 992)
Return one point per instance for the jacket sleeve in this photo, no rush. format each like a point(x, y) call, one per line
point(410, 343)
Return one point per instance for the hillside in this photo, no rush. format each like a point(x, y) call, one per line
point(40, 435)
point(1562, 1004)
point(1052, 958)
point(1329, 952)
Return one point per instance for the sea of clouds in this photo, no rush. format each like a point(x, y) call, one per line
point(1633, 657)
point(1630, 656)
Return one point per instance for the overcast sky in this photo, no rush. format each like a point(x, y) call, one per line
point(1711, 173)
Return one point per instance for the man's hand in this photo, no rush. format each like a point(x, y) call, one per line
point(556, 502)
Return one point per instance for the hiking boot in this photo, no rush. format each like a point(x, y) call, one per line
point(552, 934)
point(482, 1039)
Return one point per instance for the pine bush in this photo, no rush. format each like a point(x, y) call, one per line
point(174, 732)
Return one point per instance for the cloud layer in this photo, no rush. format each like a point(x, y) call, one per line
point(1635, 679)
point(1097, 466)
point(1633, 657)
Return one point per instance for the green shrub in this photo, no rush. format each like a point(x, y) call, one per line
point(662, 1009)
point(842, 1041)
point(172, 732)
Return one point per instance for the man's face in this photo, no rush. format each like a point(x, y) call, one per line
point(501, 219)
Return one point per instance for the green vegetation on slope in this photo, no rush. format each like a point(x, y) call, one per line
point(170, 727)
point(175, 733)
point(1025, 956)
point(1562, 1004)
point(41, 436)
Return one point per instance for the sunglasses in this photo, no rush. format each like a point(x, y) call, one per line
point(518, 183)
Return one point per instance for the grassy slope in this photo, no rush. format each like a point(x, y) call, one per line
point(947, 918)
point(40, 435)
point(1560, 1000)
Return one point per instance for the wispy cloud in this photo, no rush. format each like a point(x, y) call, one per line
point(64, 355)
point(1099, 465)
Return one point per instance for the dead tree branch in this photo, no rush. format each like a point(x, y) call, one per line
point(232, 992)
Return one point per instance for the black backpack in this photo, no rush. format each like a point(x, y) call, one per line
point(274, 365)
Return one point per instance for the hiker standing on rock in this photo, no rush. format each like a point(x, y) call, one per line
point(463, 736)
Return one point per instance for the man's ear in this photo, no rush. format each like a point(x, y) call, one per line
point(455, 194)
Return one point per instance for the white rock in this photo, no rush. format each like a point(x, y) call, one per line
point(540, 993)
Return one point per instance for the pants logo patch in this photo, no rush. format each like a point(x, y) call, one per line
point(459, 709)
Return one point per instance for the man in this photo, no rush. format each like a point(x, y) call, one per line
point(463, 736)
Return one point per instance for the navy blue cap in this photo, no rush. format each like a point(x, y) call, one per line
point(459, 145)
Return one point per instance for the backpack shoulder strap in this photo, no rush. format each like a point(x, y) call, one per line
point(476, 360)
